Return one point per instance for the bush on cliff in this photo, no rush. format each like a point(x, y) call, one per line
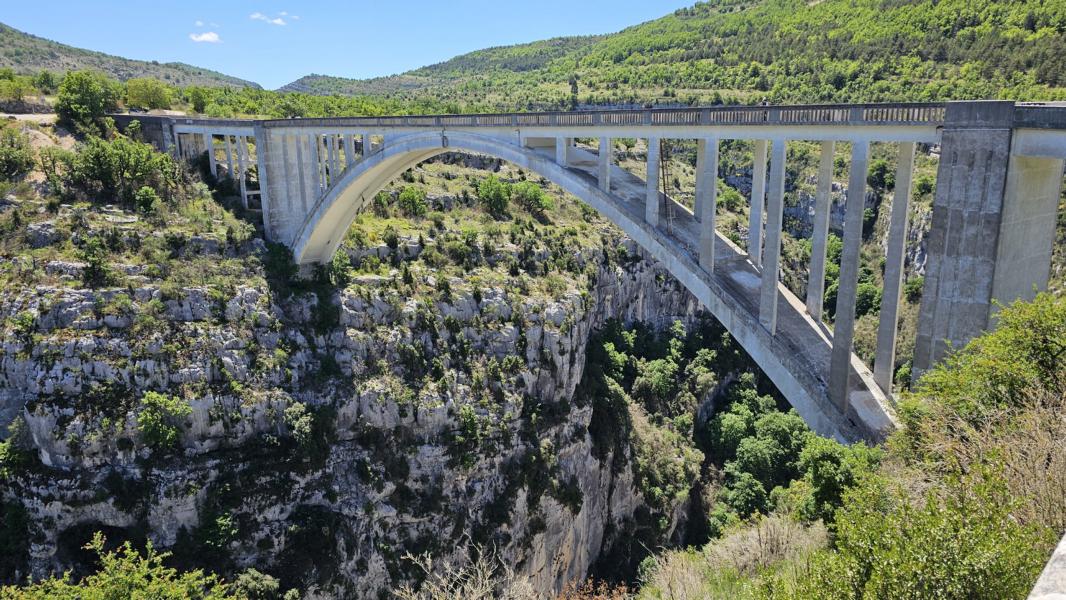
point(126, 573)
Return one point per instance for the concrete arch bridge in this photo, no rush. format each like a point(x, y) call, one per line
point(993, 223)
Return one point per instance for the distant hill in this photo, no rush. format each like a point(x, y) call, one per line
point(28, 53)
point(776, 50)
point(515, 59)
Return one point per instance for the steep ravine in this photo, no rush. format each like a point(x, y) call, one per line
point(332, 432)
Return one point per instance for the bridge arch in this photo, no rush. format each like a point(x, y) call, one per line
point(324, 228)
point(790, 360)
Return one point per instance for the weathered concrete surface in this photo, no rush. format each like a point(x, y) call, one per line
point(963, 240)
point(1027, 231)
point(1052, 582)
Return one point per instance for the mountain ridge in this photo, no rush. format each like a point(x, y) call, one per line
point(752, 50)
point(29, 53)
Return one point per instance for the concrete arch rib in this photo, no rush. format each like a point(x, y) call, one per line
point(796, 359)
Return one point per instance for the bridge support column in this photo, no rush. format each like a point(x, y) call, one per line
point(820, 233)
point(992, 230)
point(349, 150)
point(209, 143)
point(844, 324)
point(335, 158)
point(758, 193)
point(885, 361)
point(772, 251)
point(242, 149)
point(706, 198)
point(1027, 231)
point(229, 156)
point(560, 151)
point(368, 144)
point(305, 166)
point(604, 166)
point(264, 194)
point(651, 206)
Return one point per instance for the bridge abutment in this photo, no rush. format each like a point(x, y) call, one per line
point(992, 232)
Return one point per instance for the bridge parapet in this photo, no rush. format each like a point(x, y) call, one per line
point(830, 114)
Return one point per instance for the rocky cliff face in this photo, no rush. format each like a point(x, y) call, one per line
point(330, 431)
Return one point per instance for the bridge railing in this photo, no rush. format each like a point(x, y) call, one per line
point(831, 114)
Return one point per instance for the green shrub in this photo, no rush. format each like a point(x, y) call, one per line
point(147, 92)
point(301, 423)
point(531, 197)
point(959, 542)
point(116, 170)
point(97, 271)
point(494, 194)
point(160, 418)
point(867, 299)
point(16, 155)
point(84, 98)
point(146, 200)
point(830, 469)
point(912, 290)
point(412, 201)
point(126, 573)
point(1024, 353)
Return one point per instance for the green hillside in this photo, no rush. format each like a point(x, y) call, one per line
point(28, 54)
point(776, 50)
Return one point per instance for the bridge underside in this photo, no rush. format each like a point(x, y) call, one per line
point(796, 357)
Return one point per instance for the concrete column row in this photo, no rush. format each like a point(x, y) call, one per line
point(769, 186)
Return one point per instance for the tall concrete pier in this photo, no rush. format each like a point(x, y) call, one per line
point(993, 226)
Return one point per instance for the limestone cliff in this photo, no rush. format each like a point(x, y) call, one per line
point(331, 431)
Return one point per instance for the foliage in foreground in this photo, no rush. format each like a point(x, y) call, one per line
point(968, 502)
point(126, 573)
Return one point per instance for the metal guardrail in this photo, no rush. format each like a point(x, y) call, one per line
point(831, 114)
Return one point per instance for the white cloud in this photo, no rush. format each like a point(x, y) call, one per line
point(283, 13)
point(258, 16)
point(209, 37)
point(199, 23)
point(295, 17)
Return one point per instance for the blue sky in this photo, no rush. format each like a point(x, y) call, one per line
point(274, 42)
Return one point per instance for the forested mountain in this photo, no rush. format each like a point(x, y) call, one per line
point(776, 50)
point(28, 54)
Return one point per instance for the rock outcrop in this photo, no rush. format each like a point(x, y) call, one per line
point(447, 423)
